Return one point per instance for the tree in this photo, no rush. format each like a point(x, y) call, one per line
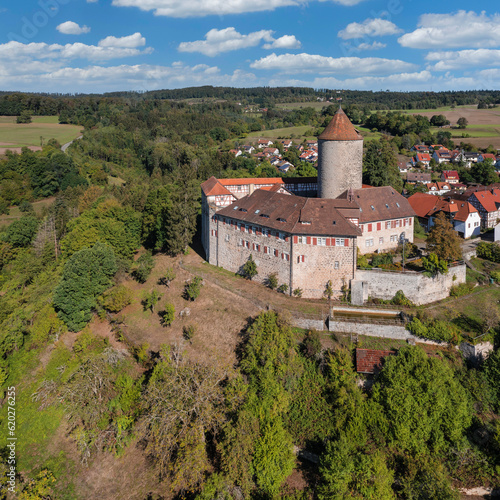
point(380, 166)
point(193, 288)
point(434, 265)
point(85, 276)
point(272, 281)
point(167, 277)
point(20, 233)
point(168, 314)
point(328, 292)
point(483, 172)
point(249, 270)
point(424, 406)
point(443, 240)
point(439, 121)
point(24, 117)
point(150, 300)
point(462, 122)
point(143, 267)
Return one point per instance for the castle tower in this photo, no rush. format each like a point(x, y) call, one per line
point(340, 151)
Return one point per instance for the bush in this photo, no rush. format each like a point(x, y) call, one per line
point(167, 277)
point(193, 288)
point(188, 332)
point(382, 259)
point(143, 267)
point(249, 269)
point(168, 315)
point(434, 265)
point(150, 300)
point(461, 290)
point(272, 281)
point(488, 251)
point(438, 330)
point(116, 298)
point(283, 288)
point(400, 299)
point(311, 345)
point(297, 292)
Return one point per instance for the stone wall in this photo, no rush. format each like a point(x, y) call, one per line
point(339, 167)
point(417, 287)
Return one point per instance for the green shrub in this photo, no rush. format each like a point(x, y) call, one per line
point(283, 288)
point(143, 267)
point(401, 300)
point(272, 281)
point(249, 270)
point(382, 259)
point(193, 288)
point(437, 330)
point(488, 251)
point(434, 265)
point(462, 289)
point(297, 292)
point(116, 298)
point(168, 315)
point(150, 300)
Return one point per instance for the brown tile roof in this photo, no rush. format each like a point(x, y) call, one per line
point(293, 214)
point(370, 360)
point(381, 203)
point(340, 129)
point(213, 187)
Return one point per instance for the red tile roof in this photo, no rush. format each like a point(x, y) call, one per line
point(422, 203)
point(213, 187)
point(340, 129)
point(251, 180)
point(370, 360)
point(490, 200)
point(465, 209)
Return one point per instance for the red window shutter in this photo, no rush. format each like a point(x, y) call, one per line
point(308, 240)
point(276, 253)
point(315, 241)
point(410, 221)
point(303, 258)
point(369, 227)
point(328, 242)
point(286, 238)
point(215, 233)
point(265, 249)
point(393, 224)
point(346, 242)
point(379, 226)
point(242, 229)
point(295, 239)
point(333, 242)
point(224, 221)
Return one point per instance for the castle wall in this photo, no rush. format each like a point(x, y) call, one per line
point(416, 287)
point(384, 235)
point(315, 265)
point(339, 167)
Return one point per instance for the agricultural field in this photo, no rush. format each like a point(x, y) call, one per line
point(14, 135)
point(316, 105)
point(483, 128)
point(285, 133)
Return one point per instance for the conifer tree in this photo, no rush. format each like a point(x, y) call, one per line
point(443, 240)
point(380, 166)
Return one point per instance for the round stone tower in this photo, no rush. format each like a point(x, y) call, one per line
point(340, 162)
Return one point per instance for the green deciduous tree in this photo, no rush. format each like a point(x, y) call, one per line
point(193, 288)
point(424, 406)
point(20, 233)
point(143, 267)
point(483, 172)
point(380, 166)
point(150, 300)
point(85, 276)
point(168, 314)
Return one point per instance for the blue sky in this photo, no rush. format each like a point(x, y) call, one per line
point(107, 45)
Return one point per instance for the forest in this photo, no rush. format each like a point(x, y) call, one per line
point(81, 236)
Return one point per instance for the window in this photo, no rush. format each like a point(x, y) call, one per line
point(240, 242)
point(394, 238)
point(265, 231)
point(388, 224)
point(281, 236)
point(369, 243)
point(301, 239)
point(398, 223)
point(246, 228)
point(336, 265)
point(322, 242)
point(247, 244)
point(227, 237)
point(381, 240)
point(339, 242)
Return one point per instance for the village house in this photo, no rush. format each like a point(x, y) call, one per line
point(462, 215)
point(487, 156)
point(438, 188)
point(442, 156)
point(420, 148)
point(466, 157)
point(264, 143)
point(450, 176)
point(418, 177)
point(422, 159)
point(487, 202)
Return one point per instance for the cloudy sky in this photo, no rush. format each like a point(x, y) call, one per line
point(107, 45)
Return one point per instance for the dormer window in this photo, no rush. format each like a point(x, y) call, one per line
point(235, 208)
point(372, 207)
point(386, 205)
point(257, 211)
point(243, 210)
point(280, 219)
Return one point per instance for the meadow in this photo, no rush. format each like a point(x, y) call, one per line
point(35, 134)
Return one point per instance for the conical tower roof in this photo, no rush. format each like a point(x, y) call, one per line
point(340, 129)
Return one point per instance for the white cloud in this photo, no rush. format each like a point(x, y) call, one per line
point(348, 47)
point(200, 8)
point(461, 29)
point(308, 63)
point(369, 27)
point(284, 42)
point(225, 40)
point(72, 28)
point(463, 59)
point(130, 41)
point(23, 53)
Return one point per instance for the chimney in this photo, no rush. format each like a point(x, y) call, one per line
point(251, 188)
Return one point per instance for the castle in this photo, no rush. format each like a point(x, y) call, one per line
point(306, 230)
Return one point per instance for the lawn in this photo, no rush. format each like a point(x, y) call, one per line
point(318, 106)
point(40, 130)
point(15, 213)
